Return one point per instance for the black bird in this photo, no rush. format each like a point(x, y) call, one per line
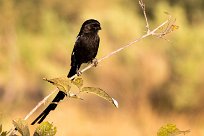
point(85, 50)
point(86, 45)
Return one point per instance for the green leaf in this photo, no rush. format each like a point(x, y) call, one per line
point(170, 130)
point(78, 81)
point(62, 83)
point(101, 93)
point(22, 127)
point(45, 129)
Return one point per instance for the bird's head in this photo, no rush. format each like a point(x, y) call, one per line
point(90, 26)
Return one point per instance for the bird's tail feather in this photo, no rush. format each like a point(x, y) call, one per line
point(72, 71)
point(51, 106)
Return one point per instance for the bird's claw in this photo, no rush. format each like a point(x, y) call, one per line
point(95, 62)
point(79, 73)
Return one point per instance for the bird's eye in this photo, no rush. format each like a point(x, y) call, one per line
point(95, 25)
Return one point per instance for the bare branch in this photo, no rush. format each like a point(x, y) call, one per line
point(39, 104)
point(12, 130)
point(142, 5)
point(153, 32)
point(171, 26)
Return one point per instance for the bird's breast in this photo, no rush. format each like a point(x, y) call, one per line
point(89, 48)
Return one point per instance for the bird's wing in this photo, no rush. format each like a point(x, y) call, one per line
point(73, 55)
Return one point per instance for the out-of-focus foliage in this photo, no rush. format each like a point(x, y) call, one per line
point(2, 133)
point(191, 7)
point(21, 126)
point(156, 77)
point(170, 130)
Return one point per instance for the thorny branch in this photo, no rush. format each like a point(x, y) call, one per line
point(165, 28)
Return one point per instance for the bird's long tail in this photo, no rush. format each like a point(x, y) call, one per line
point(60, 96)
point(72, 71)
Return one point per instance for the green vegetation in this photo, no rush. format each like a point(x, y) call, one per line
point(47, 129)
point(21, 127)
point(170, 130)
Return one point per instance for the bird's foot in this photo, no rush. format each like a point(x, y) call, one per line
point(95, 62)
point(79, 73)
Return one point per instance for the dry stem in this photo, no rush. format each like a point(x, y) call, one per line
point(142, 5)
point(39, 104)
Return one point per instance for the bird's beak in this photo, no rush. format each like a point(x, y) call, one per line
point(99, 28)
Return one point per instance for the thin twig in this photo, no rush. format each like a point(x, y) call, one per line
point(122, 48)
point(39, 104)
point(142, 5)
point(12, 130)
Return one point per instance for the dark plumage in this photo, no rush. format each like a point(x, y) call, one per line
point(86, 45)
point(85, 50)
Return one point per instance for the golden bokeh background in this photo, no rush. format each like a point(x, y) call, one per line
point(155, 81)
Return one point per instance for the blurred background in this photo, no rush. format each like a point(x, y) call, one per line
point(155, 81)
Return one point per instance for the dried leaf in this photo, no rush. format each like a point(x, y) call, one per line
point(78, 81)
point(45, 129)
point(22, 127)
point(62, 83)
point(101, 93)
point(170, 130)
